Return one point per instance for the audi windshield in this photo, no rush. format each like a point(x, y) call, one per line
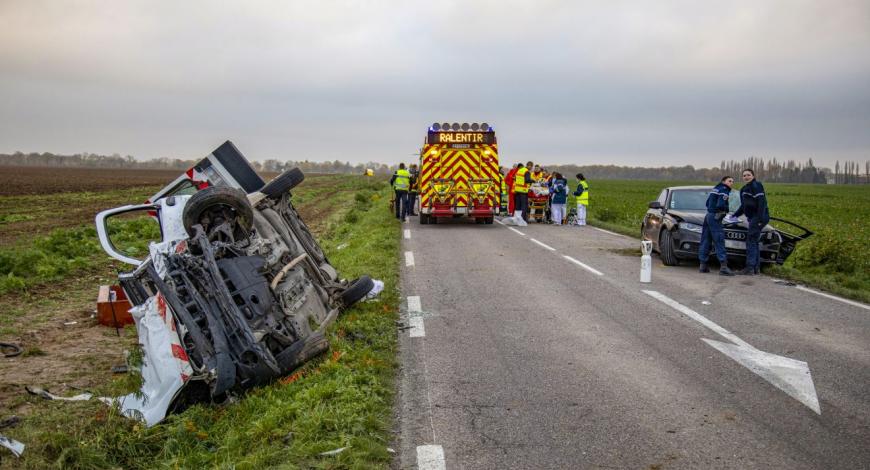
point(696, 200)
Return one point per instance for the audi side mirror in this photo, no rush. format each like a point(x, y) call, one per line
point(655, 205)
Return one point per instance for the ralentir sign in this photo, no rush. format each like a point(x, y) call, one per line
point(461, 137)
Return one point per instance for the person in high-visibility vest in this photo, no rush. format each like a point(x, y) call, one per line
point(582, 195)
point(522, 182)
point(538, 175)
point(401, 182)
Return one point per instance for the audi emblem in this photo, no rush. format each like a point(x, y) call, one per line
point(735, 235)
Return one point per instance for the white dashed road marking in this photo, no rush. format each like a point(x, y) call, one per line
point(834, 297)
point(543, 244)
point(407, 234)
point(415, 317)
point(430, 457)
point(583, 265)
point(409, 258)
point(516, 231)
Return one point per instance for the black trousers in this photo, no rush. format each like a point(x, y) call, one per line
point(521, 202)
point(412, 202)
point(401, 205)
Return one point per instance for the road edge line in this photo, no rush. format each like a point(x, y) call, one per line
point(833, 297)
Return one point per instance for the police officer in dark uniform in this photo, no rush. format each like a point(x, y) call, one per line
point(753, 204)
point(717, 208)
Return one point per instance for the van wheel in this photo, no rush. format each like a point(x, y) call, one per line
point(666, 248)
point(424, 219)
point(218, 204)
point(356, 291)
point(283, 183)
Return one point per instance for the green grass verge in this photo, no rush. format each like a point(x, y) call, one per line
point(343, 399)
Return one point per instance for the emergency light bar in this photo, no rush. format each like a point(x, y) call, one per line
point(456, 127)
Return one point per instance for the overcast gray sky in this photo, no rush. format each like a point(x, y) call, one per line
point(636, 83)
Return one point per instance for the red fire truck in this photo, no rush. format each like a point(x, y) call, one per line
point(459, 174)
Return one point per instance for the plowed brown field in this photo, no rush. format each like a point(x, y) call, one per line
point(16, 181)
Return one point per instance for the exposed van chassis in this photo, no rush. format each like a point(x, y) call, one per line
point(247, 289)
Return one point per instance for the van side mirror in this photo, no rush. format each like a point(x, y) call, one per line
point(655, 205)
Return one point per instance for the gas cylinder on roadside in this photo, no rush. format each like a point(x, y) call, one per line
point(646, 261)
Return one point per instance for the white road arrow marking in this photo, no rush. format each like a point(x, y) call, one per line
point(789, 375)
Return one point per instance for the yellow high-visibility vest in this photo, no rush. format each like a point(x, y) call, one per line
point(403, 180)
point(584, 198)
point(520, 185)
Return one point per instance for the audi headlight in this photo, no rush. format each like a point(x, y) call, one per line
point(690, 227)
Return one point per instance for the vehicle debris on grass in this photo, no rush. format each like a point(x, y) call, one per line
point(10, 349)
point(14, 446)
point(41, 392)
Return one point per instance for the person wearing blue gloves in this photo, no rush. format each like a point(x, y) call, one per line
point(753, 204)
point(711, 231)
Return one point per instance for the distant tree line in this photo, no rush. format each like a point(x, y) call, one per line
point(850, 173)
point(92, 160)
point(771, 170)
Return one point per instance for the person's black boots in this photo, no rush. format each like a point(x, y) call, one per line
point(704, 268)
point(724, 271)
point(747, 271)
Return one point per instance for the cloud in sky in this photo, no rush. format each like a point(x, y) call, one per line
point(651, 83)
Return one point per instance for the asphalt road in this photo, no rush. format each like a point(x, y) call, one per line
point(519, 357)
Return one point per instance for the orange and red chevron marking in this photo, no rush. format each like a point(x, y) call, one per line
point(459, 165)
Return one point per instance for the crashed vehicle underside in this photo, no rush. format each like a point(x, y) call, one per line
point(236, 294)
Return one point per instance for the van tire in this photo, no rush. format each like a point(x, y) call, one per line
point(356, 291)
point(283, 183)
point(212, 198)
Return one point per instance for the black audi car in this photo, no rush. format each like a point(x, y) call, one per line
point(673, 223)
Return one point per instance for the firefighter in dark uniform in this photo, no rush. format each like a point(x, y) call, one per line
point(753, 204)
point(414, 191)
point(717, 208)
